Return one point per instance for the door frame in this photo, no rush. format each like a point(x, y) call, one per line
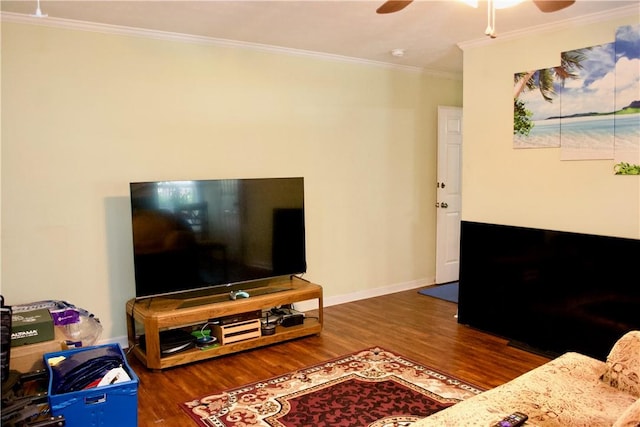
point(448, 194)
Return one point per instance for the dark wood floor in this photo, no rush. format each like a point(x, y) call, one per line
point(418, 327)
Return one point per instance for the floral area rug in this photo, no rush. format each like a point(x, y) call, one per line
point(373, 387)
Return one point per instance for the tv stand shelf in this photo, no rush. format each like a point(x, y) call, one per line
point(163, 313)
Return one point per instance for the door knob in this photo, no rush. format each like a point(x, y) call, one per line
point(444, 205)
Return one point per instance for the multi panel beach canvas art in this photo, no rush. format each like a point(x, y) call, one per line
point(588, 105)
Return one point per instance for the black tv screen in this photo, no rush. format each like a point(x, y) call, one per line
point(209, 234)
point(549, 291)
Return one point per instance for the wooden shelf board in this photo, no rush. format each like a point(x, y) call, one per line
point(170, 313)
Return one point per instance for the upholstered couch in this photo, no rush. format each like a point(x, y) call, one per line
point(571, 390)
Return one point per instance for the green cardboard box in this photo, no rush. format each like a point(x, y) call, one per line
point(30, 327)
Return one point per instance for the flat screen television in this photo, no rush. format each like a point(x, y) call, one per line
point(549, 291)
point(202, 237)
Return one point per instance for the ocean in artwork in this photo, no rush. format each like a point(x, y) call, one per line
point(627, 142)
point(544, 134)
point(587, 138)
point(590, 137)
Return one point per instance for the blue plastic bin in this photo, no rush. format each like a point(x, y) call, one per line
point(106, 406)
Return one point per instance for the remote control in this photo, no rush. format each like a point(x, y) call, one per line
point(513, 420)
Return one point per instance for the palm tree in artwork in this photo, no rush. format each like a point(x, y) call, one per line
point(542, 80)
point(570, 63)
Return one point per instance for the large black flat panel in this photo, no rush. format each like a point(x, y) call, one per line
point(555, 291)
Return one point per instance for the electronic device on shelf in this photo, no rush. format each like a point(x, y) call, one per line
point(172, 341)
point(205, 237)
point(236, 318)
point(283, 316)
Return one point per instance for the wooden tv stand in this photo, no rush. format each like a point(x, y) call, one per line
point(158, 314)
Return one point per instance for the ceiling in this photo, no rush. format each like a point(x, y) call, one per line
point(429, 31)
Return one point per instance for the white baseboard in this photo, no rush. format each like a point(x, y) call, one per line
point(329, 301)
point(366, 293)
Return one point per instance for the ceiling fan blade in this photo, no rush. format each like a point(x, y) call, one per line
point(552, 5)
point(391, 6)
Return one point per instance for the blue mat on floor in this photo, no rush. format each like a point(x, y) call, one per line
point(447, 292)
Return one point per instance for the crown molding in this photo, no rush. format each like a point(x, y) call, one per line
point(555, 26)
point(71, 24)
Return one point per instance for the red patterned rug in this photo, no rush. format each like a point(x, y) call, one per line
point(374, 388)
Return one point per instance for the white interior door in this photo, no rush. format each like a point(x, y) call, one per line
point(448, 194)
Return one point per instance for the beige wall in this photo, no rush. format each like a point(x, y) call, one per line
point(85, 113)
point(533, 187)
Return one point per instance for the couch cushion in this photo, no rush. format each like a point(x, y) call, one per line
point(623, 364)
point(566, 391)
point(630, 417)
